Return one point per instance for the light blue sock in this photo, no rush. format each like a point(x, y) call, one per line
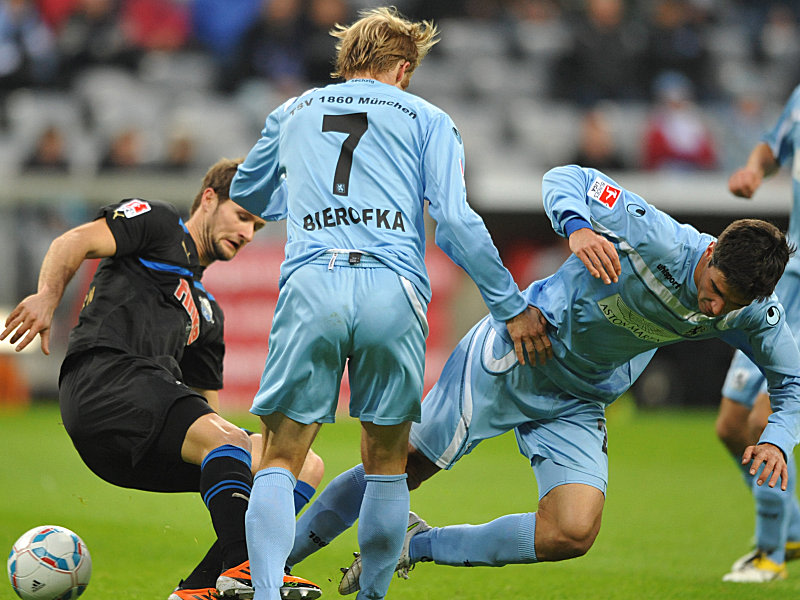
point(269, 523)
point(745, 469)
point(504, 541)
point(334, 511)
point(765, 533)
point(793, 529)
point(382, 525)
point(773, 513)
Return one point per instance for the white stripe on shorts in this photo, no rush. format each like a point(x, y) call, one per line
point(415, 303)
point(449, 455)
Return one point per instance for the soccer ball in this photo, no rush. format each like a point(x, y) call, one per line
point(49, 563)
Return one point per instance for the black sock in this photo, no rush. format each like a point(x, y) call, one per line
point(205, 574)
point(225, 484)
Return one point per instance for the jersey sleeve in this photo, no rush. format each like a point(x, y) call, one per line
point(573, 193)
point(576, 194)
point(769, 343)
point(779, 138)
point(460, 231)
point(257, 185)
point(139, 226)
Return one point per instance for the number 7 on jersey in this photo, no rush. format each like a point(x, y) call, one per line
point(355, 125)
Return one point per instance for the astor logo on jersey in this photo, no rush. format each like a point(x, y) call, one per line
point(668, 276)
point(335, 217)
point(184, 294)
point(605, 193)
point(132, 208)
point(620, 314)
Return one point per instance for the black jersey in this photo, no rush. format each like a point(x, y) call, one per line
point(147, 300)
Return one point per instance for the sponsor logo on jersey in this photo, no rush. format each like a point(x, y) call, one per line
point(132, 208)
point(668, 276)
point(340, 216)
point(184, 294)
point(620, 314)
point(205, 309)
point(773, 316)
point(605, 193)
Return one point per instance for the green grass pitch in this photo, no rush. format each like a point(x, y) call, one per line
point(676, 516)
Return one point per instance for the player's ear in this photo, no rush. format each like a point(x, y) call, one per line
point(209, 200)
point(400, 75)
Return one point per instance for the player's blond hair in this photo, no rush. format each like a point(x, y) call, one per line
point(378, 39)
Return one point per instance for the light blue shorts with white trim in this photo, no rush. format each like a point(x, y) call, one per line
point(743, 382)
point(477, 398)
point(345, 308)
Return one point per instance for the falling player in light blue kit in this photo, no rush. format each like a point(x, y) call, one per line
point(350, 166)
point(744, 407)
point(637, 280)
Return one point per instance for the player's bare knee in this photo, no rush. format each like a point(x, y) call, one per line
point(725, 430)
point(235, 436)
point(313, 469)
point(574, 541)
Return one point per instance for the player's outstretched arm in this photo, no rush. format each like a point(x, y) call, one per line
point(760, 164)
point(597, 254)
point(774, 464)
point(34, 314)
point(528, 330)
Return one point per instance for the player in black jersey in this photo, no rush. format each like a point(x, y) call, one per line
point(138, 388)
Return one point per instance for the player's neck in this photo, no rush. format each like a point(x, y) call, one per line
point(391, 77)
point(201, 239)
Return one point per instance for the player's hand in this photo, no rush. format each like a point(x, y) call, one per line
point(528, 330)
point(744, 182)
point(32, 316)
point(597, 254)
point(774, 464)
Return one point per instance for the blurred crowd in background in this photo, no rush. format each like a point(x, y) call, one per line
point(105, 99)
point(90, 86)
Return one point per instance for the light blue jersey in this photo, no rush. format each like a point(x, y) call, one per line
point(601, 328)
point(783, 140)
point(350, 165)
point(603, 336)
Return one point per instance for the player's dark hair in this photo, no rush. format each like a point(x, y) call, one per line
point(751, 254)
point(218, 178)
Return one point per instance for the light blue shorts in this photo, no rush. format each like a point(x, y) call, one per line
point(334, 312)
point(564, 438)
point(744, 382)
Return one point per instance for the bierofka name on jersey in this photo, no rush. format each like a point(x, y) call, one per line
point(340, 216)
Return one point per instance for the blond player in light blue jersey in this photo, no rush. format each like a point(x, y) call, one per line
point(351, 167)
point(637, 280)
point(745, 406)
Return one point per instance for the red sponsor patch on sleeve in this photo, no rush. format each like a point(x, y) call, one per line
point(134, 208)
point(605, 193)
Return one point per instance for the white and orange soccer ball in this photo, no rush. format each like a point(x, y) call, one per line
point(49, 562)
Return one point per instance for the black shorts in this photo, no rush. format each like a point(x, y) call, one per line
point(127, 417)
